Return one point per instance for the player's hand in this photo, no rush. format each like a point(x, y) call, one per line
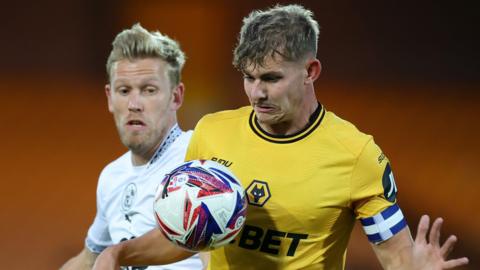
point(429, 254)
point(107, 260)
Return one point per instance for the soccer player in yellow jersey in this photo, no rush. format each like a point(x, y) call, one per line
point(308, 174)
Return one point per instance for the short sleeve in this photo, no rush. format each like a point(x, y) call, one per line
point(374, 195)
point(98, 236)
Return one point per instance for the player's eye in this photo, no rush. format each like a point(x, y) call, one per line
point(123, 91)
point(271, 78)
point(150, 90)
point(248, 78)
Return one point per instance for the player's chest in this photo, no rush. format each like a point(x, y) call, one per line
point(295, 194)
point(289, 184)
point(130, 209)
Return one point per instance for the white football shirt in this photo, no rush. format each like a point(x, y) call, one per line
point(125, 196)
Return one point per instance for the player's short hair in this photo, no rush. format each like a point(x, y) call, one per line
point(138, 43)
point(290, 31)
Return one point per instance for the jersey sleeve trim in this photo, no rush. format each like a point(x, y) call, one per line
point(94, 248)
point(384, 225)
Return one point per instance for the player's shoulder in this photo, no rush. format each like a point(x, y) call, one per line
point(176, 152)
point(346, 133)
point(184, 137)
point(119, 166)
point(121, 163)
point(226, 116)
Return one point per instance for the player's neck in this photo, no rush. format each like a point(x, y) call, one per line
point(143, 156)
point(139, 159)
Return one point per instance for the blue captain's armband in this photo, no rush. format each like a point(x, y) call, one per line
point(384, 225)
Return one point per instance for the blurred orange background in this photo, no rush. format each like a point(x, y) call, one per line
point(404, 71)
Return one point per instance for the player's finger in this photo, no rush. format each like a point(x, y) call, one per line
point(434, 236)
point(455, 263)
point(422, 229)
point(448, 246)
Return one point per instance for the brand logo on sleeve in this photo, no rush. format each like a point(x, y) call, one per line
point(389, 186)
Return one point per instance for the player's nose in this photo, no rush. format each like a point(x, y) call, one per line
point(135, 102)
point(258, 90)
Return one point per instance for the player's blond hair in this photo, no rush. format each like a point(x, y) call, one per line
point(138, 43)
point(290, 31)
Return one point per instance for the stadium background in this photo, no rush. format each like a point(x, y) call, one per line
point(404, 71)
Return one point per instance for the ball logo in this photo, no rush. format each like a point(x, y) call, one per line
point(176, 182)
point(129, 194)
point(258, 193)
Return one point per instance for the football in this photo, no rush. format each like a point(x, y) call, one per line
point(200, 205)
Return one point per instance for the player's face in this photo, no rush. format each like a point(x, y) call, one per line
point(278, 93)
point(143, 102)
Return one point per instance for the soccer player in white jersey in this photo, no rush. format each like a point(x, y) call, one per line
point(144, 94)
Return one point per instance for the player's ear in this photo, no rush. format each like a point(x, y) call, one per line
point(177, 96)
point(108, 93)
point(313, 68)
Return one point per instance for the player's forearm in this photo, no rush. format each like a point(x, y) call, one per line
point(149, 249)
point(75, 264)
point(83, 261)
point(396, 252)
point(398, 261)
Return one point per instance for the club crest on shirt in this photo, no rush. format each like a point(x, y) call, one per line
point(258, 193)
point(128, 197)
point(389, 186)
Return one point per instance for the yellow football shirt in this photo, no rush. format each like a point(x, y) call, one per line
point(304, 191)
